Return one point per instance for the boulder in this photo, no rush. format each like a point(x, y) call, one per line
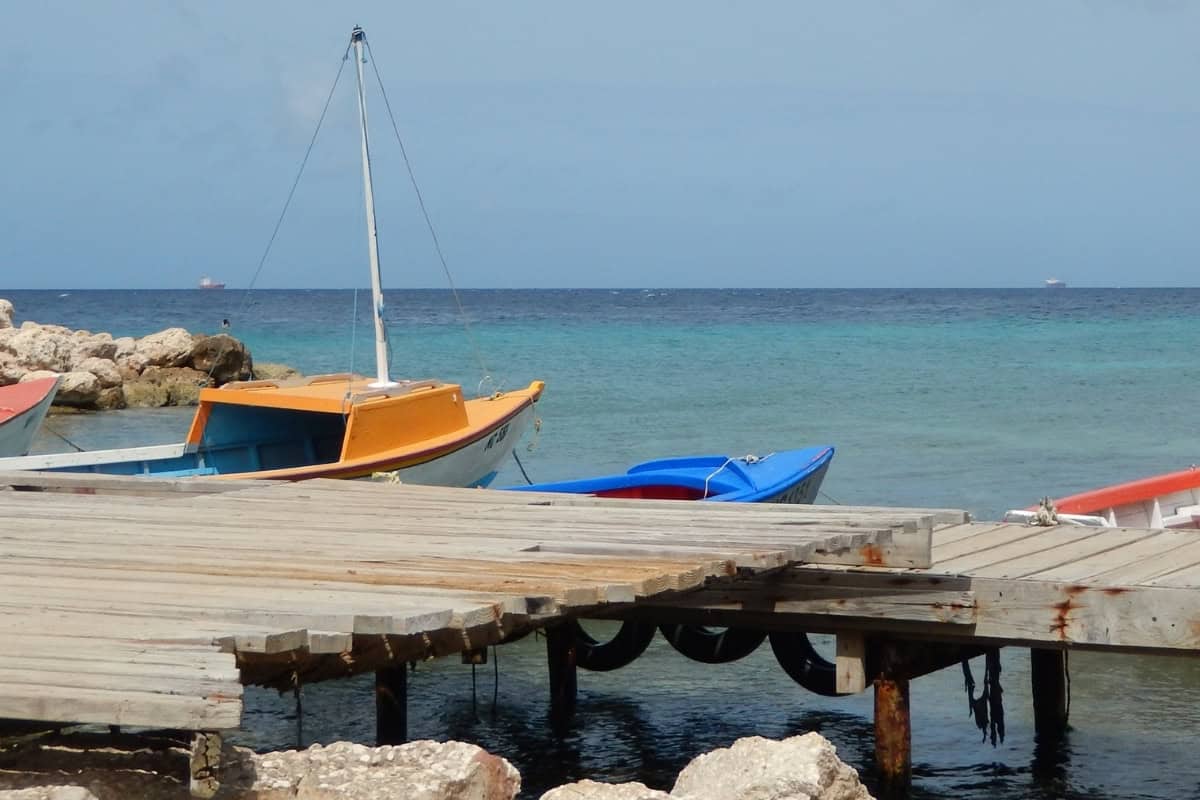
point(106, 371)
point(61, 330)
point(126, 345)
point(168, 348)
point(222, 357)
point(48, 793)
point(591, 790)
point(111, 398)
point(131, 365)
point(78, 389)
point(797, 768)
point(95, 345)
point(182, 384)
point(6, 313)
point(420, 770)
point(138, 393)
point(39, 348)
point(267, 371)
point(10, 370)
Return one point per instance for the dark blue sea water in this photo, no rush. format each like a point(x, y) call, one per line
point(977, 399)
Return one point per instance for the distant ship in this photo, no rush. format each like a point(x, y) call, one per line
point(208, 283)
point(1055, 283)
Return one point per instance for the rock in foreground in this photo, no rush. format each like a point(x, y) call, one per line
point(592, 790)
point(415, 771)
point(797, 768)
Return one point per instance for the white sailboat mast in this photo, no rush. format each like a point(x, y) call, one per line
point(382, 380)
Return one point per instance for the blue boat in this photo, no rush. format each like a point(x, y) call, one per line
point(788, 476)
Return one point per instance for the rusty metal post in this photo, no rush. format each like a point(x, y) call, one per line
point(1048, 675)
point(893, 723)
point(391, 704)
point(561, 658)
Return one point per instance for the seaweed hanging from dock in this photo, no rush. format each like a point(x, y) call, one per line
point(988, 708)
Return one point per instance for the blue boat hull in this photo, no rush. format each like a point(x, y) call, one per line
point(788, 476)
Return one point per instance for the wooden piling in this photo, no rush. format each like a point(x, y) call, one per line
point(1048, 676)
point(561, 658)
point(391, 704)
point(204, 765)
point(893, 723)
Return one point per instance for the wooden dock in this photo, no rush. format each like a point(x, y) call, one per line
point(129, 601)
point(134, 602)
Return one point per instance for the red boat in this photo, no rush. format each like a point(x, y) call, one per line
point(1162, 501)
point(23, 406)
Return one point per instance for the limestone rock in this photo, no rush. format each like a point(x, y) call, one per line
point(48, 793)
point(126, 345)
point(111, 398)
point(168, 348)
point(37, 374)
point(144, 394)
point(78, 389)
point(182, 384)
point(797, 768)
point(131, 365)
point(415, 771)
point(591, 790)
point(6, 313)
point(105, 370)
point(267, 371)
point(30, 325)
point(223, 357)
point(38, 347)
point(93, 345)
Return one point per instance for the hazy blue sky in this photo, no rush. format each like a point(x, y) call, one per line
point(617, 144)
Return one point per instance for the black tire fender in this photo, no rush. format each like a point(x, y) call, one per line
point(713, 645)
point(620, 651)
point(803, 664)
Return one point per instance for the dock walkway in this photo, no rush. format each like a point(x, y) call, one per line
point(129, 601)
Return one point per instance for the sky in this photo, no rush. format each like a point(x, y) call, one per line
point(668, 144)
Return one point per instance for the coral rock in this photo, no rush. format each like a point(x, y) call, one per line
point(96, 345)
point(267, 371)
point(415, 771)
point(106, 371)
point(591, 790)
point(39, 348)
point(169, 348)
point(78, 389)
point(797, 768)
point(222, 357)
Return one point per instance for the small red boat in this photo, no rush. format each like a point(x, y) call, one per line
point(23, 406)
point(1162, 501)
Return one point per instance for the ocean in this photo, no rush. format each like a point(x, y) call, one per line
point(978, 399)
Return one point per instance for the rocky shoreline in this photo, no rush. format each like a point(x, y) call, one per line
point(106, 768)
point(100, 372)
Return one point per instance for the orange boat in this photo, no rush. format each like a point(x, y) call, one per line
point(332, 426)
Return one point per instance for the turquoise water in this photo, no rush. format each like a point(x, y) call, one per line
point(983, 400)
